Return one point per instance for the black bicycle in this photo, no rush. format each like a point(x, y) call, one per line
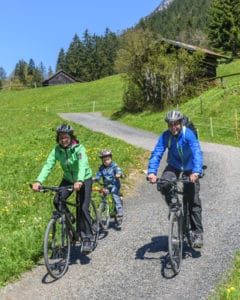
point(61, 233)
point(179, 222)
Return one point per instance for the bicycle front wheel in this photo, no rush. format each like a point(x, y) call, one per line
point(175, 240)
point(56, 248)
point(94, 223)
point(104, 215)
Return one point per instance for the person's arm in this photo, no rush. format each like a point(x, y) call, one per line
point(156, 156)
point(49, 164)
point(118, 171)
point(197, 156)
point(98, 175)
point(83, 165)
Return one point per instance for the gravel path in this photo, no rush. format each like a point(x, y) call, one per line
point(129, 264)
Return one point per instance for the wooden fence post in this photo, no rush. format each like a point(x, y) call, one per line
point(211, 126)
point(236, 125)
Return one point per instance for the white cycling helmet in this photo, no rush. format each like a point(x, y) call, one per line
point(174, 116)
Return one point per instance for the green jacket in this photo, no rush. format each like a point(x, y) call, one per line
point(73, 160)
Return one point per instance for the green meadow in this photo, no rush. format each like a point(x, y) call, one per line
point(27, 134)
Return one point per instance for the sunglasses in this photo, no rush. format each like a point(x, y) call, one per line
point(171, 124)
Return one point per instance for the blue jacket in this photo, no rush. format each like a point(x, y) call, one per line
point(108, 174)
point(184, 152)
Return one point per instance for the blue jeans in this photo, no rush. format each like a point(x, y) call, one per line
point(116, 197)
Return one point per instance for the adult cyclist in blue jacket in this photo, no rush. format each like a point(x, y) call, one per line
point(184, 155)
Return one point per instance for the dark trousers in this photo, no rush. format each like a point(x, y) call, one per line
point(83, 199)
point(191, 195)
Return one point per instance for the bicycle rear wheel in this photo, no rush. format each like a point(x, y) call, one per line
point(104, 215)
point(94, 223)
point(175, 240)
point(56, 248)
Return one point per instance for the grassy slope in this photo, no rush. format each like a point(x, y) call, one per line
point(29, 119)
point(28, 122)
point(219, 106)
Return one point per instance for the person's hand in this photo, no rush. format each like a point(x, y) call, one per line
point(118, 175)
point(193, 177)
point(152, 178)
point(77, 185)
point(36, 186)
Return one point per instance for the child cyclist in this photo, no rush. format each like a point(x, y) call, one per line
point(110, 172)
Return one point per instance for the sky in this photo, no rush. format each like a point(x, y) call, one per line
point(32, 29)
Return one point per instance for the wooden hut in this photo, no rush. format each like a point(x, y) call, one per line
point(211, 57)
point(61, 77)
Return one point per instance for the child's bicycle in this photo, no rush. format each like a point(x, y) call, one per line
point(106, 208)
point(61, 234)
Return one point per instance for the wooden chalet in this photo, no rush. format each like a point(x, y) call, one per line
point(211, 58)
point(61, 77)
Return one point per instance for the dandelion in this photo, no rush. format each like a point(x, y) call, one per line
point(231, 289)
point(5, 210)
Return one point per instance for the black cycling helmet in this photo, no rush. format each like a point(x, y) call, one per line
point(105, 153)
point(174, 116)
point(65, 128)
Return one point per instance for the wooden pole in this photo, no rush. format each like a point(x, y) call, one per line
point(236, 125)
point(211, 126)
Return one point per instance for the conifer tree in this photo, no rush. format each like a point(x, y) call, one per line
point(224, 25)
point(74, 58)
point(61, 60)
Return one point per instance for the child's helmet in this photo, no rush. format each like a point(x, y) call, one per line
point(105, 153)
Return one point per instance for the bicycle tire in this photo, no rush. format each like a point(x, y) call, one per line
point(104, 215)
point(175, 240)
point(94, 223)
point(57, 248)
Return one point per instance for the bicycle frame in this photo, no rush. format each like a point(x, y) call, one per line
point(106, 208)
point(60, 233)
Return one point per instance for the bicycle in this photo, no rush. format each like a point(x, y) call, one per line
point(61, 234)
point(106, 209)
point(179, 221)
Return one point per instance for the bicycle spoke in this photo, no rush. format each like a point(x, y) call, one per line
point(175, 241)
point(56, 248)
point(104, 215)
point(94, 222)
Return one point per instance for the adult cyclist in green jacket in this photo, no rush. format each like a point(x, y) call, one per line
point(76, 171)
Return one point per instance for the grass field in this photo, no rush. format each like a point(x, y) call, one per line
point(28, 122)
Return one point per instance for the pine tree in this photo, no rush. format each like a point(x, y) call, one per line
point(61, 61)
point(74, 58)
point(31, 67)
point(224, 25)
point(20, 72)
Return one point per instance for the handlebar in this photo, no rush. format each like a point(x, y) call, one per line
point(55, 189)
point(183, 178)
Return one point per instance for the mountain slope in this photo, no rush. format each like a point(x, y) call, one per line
point(182, 20)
